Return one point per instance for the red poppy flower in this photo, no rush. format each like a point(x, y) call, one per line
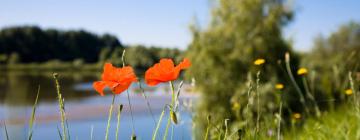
point(164, 71)
point(117, 79)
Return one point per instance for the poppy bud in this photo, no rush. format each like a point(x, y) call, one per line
point(287, 57)
point(173, 117)
point(121, 107)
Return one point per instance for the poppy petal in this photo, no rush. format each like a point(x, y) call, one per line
point(165, 65)
point(127, 75)
point(153, 77)
point(99, 87)
point(152, 82)
point(164, 71)
point(184, 64)
point(120, 88)
point(108, 74)
point(111, 84)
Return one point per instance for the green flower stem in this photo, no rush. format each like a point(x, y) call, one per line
point(311, 97)
point(131, 114)
point(298, 90)
point(258, 102)
point(171, 109)
point(207, 128)
point(118, 122)
point(147, 102)
point(109, 118)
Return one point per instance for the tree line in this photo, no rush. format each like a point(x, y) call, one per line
point(32, 44)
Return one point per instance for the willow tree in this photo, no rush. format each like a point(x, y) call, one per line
point(223, 54)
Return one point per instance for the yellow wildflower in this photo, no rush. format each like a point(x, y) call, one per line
point(297, 116)
point(236, 106)
point(348, 92)
point(279, 86)
point(302, 71)
point(259, 61)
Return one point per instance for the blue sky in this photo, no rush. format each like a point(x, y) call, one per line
point(165, 22)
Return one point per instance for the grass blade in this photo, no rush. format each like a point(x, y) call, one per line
point(6, 132)
point(58, 130)
point(158, 123)
point(208, 118)
point(32, 119)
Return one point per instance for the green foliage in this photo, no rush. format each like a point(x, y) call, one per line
point(340, 124)
point(340, 48)
point(34, 44)
point(332, 59)
point(142, 57)
point(223, 54)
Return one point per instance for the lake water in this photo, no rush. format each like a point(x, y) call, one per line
point(85, 109)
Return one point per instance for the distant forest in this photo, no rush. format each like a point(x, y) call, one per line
point(32, 44)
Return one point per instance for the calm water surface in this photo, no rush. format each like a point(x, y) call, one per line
point(85, 109)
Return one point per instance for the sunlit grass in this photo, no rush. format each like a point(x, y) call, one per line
point(342, 123)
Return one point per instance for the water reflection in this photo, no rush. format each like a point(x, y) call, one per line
point(19, 88)
point(84, 107)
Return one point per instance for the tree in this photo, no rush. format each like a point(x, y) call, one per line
point(222, 55)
